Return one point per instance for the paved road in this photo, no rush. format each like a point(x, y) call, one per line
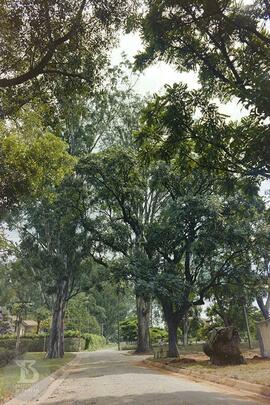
point(111, 378)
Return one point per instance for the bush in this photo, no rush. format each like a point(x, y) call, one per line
point(158, 333)
point(8, 352)
point(6, 356)
point(27, 343)
point(73, 333)
point(34, 343)
point(7, 344)
point(129, 329)
point(94, 342)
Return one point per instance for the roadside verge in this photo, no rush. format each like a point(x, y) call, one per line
point(260, 390)
point(36, 390)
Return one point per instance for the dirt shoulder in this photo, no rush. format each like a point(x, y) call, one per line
point(253, 376)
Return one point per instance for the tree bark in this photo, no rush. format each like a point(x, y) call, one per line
point(56, 339)
point(263, 307)
point(173, 319)
point(172, 329)
point(186, 326)
point(143, 315)
point(18, 335)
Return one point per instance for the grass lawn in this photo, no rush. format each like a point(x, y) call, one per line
point(10, 374)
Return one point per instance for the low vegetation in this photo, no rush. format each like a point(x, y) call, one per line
point(10, 374)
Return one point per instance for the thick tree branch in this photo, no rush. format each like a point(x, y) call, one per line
point(38, 69)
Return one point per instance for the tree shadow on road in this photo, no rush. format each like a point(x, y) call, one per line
point(175, 398)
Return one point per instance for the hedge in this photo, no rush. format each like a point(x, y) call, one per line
point(35, 343)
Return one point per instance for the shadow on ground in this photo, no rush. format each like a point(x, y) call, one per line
point(176, 398)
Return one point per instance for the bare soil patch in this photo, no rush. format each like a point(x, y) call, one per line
point(256, 371)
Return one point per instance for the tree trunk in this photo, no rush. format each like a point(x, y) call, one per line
point(38, 327)
point(264, 308)
point(143, 315)
point(226, 320)
point(173, 319)
point(172, 329)
point(56, 339)
point(186, 326)
point(18, 335)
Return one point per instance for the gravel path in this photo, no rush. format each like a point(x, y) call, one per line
point(113, 378)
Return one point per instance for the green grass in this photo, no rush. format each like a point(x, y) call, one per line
point(10, 374)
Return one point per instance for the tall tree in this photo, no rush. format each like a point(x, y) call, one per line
point(200, 237)
point(127, 203)
point(53, 246)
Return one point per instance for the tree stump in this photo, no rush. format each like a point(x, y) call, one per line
point(223, 346)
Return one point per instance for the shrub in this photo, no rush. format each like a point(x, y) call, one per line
point(8, 353)
point(94, 342)
point(158, 333)
point(73, 333)
point(6, 356)
point(129, 329)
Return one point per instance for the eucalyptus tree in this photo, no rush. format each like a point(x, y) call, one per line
point(53, 247)
point(227, 44)
point(105, 118)
point(127, 202)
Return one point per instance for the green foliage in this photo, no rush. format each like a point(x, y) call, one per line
point(94, 342)
point(106, 118)
point(78, 315)
point(66, 48)
point(156, 334)
point(32, 343)
point(111, 306)
point(186, 124)
point(227, 43)
point(128, 329)
point(74, 341)
point(32, 160)
point(74, 344)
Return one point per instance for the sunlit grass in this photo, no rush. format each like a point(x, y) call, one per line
point(10, 374)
